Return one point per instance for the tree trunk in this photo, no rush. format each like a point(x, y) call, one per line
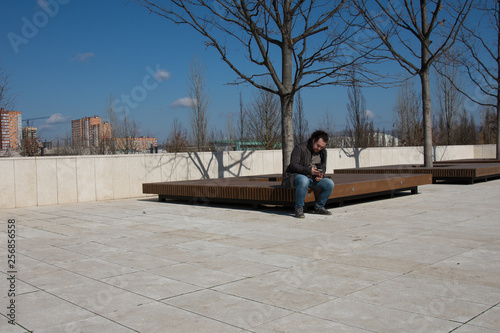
point(287, 128)
point(427, 117)
point(286, 92)
point(498, 122)
point(426, 88)
point(498, 81)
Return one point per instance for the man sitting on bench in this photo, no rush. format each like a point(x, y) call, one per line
point(306, 170)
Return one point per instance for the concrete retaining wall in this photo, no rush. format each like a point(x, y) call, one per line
point(32, 181)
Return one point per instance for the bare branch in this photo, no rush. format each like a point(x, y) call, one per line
point(289, 42)
point(402, 41)
point(7, 99)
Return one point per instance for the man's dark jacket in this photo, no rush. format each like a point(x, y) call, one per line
point(300, 163)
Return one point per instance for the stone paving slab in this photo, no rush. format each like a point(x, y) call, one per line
point(428, 262)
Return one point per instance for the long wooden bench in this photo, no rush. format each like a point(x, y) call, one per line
point(462, 171)
point(266, 189)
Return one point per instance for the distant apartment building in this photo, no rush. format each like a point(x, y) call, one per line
point(89, 131)
point(10, 129)
point(29, 133)
point(141, 144)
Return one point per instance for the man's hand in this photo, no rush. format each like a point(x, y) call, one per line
point(317, 173)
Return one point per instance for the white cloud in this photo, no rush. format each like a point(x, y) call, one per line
point(81, 57)
point(162, 75)
point(185, 102)
point(57, 118)
point(369, 114)
point(55, 121)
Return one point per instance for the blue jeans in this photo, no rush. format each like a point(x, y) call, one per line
point(301, 183)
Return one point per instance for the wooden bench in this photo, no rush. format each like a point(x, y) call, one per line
point(462, 171)
point(266, 189)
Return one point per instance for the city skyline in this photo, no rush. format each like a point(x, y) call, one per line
point(67, 60)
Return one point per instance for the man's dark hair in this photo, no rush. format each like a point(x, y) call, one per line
point(319, 134)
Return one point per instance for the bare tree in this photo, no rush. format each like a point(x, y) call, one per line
point(65, 146)
point(382, 138)
point(300, 122)
point(7, 100)
point(466, 133)
point(488, 130)
point(114, 121)
point(328, 125)
point(451, 100)
point(372, 136)
point(286, 41)
point(124, 131)
point(408, 116)
point(129, 133)
point(357, 128)
point(263, 115)
point(242, 120)
point(231, 128)
point(199, 104)
point(29, 147)
point(415, 34)
point(481, 59)
point(177, 141)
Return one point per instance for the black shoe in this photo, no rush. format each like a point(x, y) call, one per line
point(299, 212)
point(322, 211)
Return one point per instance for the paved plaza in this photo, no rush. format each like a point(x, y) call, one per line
point(428, 262)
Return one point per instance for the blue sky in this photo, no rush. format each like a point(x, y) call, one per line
point(65, 61)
